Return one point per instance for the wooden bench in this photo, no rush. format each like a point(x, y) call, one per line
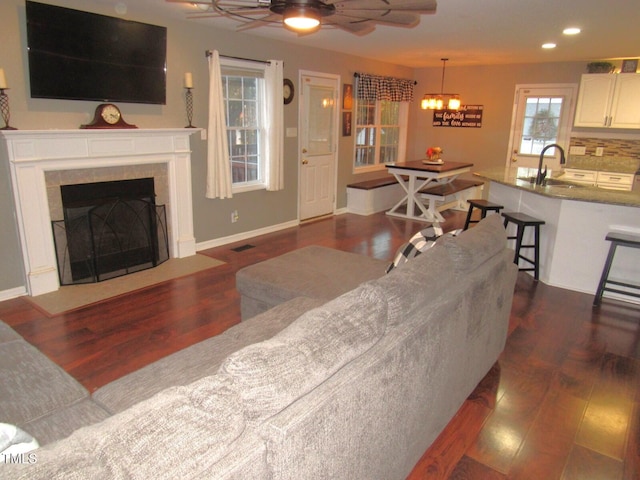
point(371, 196)
point(453, 194)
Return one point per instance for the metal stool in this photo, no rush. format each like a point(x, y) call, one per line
point(522, 221)
point(622, 240)
point(484, 206)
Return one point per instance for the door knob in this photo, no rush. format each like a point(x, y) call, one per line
point(305, 161)
point(304, 150)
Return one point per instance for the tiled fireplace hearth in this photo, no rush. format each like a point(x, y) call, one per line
point(35, 157)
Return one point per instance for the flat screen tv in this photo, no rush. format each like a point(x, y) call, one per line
point(78, 55)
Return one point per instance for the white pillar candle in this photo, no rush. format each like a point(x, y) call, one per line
point(188, 80)
point(3, 79)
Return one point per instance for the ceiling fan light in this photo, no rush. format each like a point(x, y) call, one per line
point(301, 19)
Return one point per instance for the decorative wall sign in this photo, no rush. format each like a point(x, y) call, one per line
point(347, 96)
point(346, 124)
point(469, 116)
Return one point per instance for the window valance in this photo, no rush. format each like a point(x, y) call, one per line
point(376, 87)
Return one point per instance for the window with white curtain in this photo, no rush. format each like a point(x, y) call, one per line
point(243, 88)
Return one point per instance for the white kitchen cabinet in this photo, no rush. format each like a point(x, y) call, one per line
point(609, 101)
point(586, 177)
point(615, 181)
point(611, 180)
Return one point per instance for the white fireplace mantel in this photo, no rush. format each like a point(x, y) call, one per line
point(31, 153)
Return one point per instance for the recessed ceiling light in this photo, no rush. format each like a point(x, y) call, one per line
point(571, 31)
point(548, 45)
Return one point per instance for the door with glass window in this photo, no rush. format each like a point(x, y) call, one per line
point(318, 146)
point(542, 116)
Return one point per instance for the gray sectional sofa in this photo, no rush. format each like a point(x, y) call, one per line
point(313, 383)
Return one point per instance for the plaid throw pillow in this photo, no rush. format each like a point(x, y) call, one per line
point(420, 242)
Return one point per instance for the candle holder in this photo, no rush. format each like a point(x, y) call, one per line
point(188, 96)
point(4, 109)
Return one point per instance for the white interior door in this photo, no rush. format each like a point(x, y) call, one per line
point(318, 144)
point(542, 115)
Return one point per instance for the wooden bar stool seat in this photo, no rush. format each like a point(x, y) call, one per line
point(484, 206)
point(617, 240)
point(522, 221)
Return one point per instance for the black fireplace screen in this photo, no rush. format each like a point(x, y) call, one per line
point(109, 229)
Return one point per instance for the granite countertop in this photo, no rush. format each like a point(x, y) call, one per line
point(511, 177)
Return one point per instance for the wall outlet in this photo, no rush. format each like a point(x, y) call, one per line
point(599, 151)
point(578, 150)
point(234, 216)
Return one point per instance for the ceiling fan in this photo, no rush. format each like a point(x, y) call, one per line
point(306, 16)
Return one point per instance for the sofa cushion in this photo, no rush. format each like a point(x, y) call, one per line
point(199, 360)
point(178, 433)
point(274, 373)
point(31, 385)
point(475, 246)
point(313, 271)
point(64, 421)
point(417, 283)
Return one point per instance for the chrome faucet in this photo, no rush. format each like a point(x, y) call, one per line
point(543, 174)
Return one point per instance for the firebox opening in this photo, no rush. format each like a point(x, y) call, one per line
point(109, 229)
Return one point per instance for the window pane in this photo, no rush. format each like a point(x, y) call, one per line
point(540, 124)
point(234, 111)
point(235, 87)
point(390, 113)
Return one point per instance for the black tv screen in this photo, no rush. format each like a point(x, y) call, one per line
point(85, 56)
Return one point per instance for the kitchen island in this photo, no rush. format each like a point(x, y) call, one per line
point(577, 219)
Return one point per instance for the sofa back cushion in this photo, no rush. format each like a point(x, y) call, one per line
point(178, 433)
point(475, 246)
point(274, 373)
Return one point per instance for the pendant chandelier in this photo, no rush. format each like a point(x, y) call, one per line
point(438, 101)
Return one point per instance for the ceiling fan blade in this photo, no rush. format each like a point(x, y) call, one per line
point(260, 22)
point(203, 2)
point(228, 13)
point(386, 18)
point(418, 6)
point(357, 27)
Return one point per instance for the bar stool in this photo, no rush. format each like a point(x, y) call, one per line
point(622, 240)
point(484, 206)
point(523, 221)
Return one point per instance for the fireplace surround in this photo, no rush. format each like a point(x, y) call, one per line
point(33, 153)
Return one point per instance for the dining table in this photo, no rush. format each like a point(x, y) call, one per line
point(416, 175)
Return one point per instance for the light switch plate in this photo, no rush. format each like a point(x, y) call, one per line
point(292, 132)
point(577, 150)
point(599, 151)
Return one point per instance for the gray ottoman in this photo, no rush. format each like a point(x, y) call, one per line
point(314, 271)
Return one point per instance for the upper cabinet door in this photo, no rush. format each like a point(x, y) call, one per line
point(625, 108)
point(594, 100)
point(609, 101)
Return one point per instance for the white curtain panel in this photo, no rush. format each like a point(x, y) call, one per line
point(218, 165)
point(275, 125)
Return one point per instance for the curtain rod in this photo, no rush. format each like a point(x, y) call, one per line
point(356, 75)
point(208, 53)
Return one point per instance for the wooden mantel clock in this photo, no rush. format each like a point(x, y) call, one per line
point(108, 116)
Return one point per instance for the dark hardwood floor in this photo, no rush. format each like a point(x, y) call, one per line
point(563, 401)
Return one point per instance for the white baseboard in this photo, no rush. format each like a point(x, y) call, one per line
point(13, 293)
point(238, 237)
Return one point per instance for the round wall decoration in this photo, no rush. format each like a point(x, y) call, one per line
point(288, 91)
